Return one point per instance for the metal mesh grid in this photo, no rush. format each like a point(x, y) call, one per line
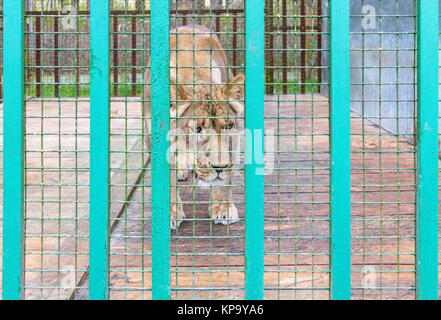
point(383, 88)
point(297, 186)
point(130, 240)
point(208, 259)
point(204, 262)
point(57, 150)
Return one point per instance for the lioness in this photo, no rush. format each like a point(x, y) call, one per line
point(205, 103)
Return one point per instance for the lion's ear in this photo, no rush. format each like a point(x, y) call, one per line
point(177, 91)
point(236, 87)
point(234, 91)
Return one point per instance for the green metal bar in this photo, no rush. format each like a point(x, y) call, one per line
point(427, 152)
point(254, 120)
point(340, 150)
point(99, 149)
point(160, 89)
point(13, 160)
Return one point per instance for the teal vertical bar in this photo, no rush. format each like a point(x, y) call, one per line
point(427, 152)
point(160, 89)
point(99, 149)
point(13, 106)
point(340, 150)
point(254, 121)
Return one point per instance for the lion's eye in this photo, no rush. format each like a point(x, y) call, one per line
point(198, 129)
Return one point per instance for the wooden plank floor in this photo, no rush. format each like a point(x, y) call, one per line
point(57, 189)
point(207, 259)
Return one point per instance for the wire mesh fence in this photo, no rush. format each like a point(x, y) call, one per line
point(56, 156)
point(209, 131)
point(297, 186)
point(383, 154)
point(207, 258)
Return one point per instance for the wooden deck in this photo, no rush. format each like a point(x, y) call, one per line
point(207, 259)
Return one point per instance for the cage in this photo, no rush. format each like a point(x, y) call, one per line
point(332, 168)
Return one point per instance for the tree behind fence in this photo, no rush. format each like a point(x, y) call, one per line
point(58, 37)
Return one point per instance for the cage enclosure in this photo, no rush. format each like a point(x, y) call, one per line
point(335, 92)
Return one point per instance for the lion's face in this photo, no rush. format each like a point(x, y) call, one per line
point(207, 127)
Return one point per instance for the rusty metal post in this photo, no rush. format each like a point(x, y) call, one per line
point(303, 46)
point(78, 69)
point(38, 54)
point(134, 55)
point(234, 41)
point(56, 58)
point(218, 24)
point(269, 46)
point(285, 47)
point(319, 42)
point(115, 56)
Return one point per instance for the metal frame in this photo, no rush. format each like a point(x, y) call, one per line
point(13, 129)
point(254, 122)
point(160, 38)
point(340, 150)
point(99, 149)
point(427, 151)
point(340, 204)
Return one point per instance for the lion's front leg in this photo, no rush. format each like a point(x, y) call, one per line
point(176, 207)
point(222, 210)
point(183, 167)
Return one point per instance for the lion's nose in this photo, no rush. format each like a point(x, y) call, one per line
point(219, 169)
point(230, 124)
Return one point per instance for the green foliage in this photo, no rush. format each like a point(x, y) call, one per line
point(295, 87)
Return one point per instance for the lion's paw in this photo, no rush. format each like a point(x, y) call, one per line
point(182, 175)
point(176, 216)
point(223, 213)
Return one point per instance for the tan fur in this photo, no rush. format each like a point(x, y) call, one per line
point(205, 102)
